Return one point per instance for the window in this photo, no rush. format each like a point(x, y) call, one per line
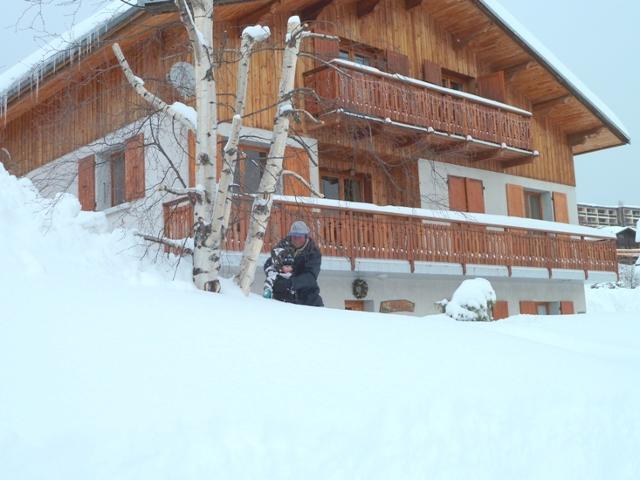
point(253, 161)
point(466, 194)
point(456, 81)
point(361, 53)
point(110, 179)
point(533, 205)
point(352, 188)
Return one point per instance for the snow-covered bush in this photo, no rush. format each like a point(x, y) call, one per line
point(472, 301)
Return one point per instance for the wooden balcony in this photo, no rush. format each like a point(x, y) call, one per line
point(354, 235)
point(452, 120)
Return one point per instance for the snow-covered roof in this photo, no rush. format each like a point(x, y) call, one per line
point(551, 62)
point(67, 48)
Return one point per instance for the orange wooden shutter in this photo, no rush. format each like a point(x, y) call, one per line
point(527, 307)
point(134, 168)
point(457, 194)
point(87, 183)
point(191, 154)
point(500, 310)
point(397, 62)
point(515, 200)
point(475, 195)
point(493, 86)
point(560, 207)
point(566, 308)
point(431, 72)
point(296, 160)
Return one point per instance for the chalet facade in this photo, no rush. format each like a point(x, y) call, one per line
point(444, 150)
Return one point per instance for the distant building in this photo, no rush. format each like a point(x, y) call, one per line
point(607, 215)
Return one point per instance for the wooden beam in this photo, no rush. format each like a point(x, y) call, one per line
point(511, 72)
point(547, 107)
point(464, 41)
point(365, 7)
point(493, 154)
point(581, 138)
point(457, 147)
point(409, 4)
point(312, 12)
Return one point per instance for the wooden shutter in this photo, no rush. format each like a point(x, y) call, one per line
point(325, 49)
point(296, 160)
point(560, 207)
point(457, 194)
point(191, 154)
point(87, 183)
point(431, 72)
point(500, 310)
point(397, 62)
point(515, 200)
point(475, 195)
point(566, 307)
point(529, 308)
point(493, 86)
point(134, 168)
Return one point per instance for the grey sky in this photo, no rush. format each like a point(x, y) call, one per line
point(597, 41)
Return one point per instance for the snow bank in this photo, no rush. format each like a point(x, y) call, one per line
point(472, 301)
point(108, 369)
point(610, 300)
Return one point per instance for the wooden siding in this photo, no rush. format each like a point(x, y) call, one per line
point(93, 100)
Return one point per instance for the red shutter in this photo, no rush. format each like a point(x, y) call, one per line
point(566, 308)
point(191, 155)
point(457, 194)
point(475, 195)
point(296, 160)
point(500, 310)
point(87, 182)
point(529, 308)
point(560, 207)
point(134, 168)
point(493, 86)
point(397, 62)
point(431, 72)
point(515, 200)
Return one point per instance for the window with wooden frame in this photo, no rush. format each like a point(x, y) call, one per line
point(350, 188)
point(456, 81)
point(119, 176)
point(251, 165)
point(361, 53)
point(533, 205)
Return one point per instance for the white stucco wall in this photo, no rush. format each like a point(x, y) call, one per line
point(435, 193)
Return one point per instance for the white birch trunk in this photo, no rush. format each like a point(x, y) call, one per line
point(222, 204)
point(200, 29)
point(263, 202)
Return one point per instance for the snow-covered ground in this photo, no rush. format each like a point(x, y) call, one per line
point(110, 369)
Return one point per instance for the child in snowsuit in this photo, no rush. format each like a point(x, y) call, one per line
point(281, 268)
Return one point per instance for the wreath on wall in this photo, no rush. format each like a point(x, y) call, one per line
point(360, 288)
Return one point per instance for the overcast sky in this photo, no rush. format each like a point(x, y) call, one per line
point(598, 41)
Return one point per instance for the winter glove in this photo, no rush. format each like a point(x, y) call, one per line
point(281, 285)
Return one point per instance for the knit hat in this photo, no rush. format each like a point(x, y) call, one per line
point(298, 229)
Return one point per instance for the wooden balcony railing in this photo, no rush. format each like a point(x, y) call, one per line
point(355, 234)
point(372, 93)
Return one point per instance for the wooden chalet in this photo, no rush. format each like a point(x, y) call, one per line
point(429, 105)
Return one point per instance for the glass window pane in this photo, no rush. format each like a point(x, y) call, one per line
point(117, 179)
point(362, 60)
point(331, 188)
point(352, 190)
point(254, 164)
point(343, 55)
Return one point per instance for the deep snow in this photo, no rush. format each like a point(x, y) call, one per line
point(111, 369)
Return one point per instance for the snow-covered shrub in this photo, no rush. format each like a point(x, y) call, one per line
point(472, 301)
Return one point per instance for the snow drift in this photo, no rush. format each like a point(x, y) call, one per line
point(109, 369)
